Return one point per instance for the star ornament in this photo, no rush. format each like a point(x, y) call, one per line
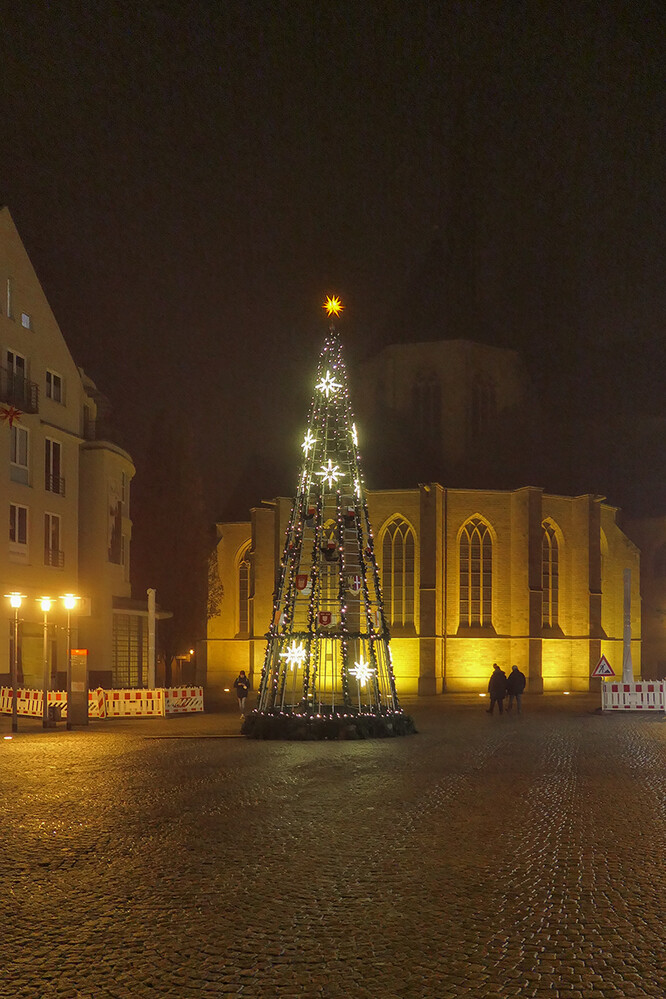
point(328, 385)
point(10, 414)
point(329, 473)
point(333, 306)
point(309, 442)
point(294, 655)
point(363, 672)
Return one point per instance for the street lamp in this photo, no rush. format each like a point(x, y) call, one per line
point(45, 604)
point(69, 601)
point(15, 601)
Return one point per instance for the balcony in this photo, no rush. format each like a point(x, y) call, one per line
point(54, 484)
point(54, 557)
point(103, 430)
point(18, 391)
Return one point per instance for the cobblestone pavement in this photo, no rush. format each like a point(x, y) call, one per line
point(485, 857)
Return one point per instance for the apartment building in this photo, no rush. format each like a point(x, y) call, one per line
point(65, 487)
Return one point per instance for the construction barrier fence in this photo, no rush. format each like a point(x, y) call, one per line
point(139, 703)
point(641, 695)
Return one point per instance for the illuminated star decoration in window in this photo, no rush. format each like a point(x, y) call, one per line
point(333, 305)
point(10, 414)
point(329, 473)
point(294, 655)
point(363, 672)
point(308, 443)
point(328, 384)
point(354, 435)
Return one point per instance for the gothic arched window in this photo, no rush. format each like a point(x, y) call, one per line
point(550, 577)
point(476, 574)
point(398, 555)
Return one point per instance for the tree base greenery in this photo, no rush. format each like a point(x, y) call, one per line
point(307, 727)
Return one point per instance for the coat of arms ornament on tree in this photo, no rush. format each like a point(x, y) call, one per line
point(327, 670)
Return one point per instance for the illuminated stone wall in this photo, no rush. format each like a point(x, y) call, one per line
point(434, 649)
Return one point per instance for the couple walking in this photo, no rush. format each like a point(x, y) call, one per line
point(501, 686)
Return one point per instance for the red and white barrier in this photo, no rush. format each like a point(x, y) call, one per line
point(30, 702)
point(641, 695)
point(134, 703)
point(184, 699)
point(138, 703)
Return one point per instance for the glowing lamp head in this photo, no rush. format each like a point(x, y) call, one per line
point(333, 306)
point(46, 603)
point(15, 599)
point(69, 600)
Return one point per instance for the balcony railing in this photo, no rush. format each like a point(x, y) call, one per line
point(54, 484)
point(18, 391)
point(54, 557)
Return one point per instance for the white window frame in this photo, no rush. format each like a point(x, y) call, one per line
point(16, 545)
point(52, 520)
point(54, 386)
point(52, 480)
point(26, 320)
point(19, 471)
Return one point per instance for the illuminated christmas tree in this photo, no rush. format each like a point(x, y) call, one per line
point(327, 670)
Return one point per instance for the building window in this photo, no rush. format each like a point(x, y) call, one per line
point(26, 320)
point(18, 455)
point(10, 293)
point(476, 575)
point(53, 480)
point(550, 577)
point(18, 526)
point(52, 553)
point(398, 556)
point(124, 557)
point(130, 651)
point(124, 497)
point(483, 408)
point(53, 386)
point(244, 592)
point(427, 407)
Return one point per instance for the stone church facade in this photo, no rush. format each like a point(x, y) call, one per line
point(469, 578)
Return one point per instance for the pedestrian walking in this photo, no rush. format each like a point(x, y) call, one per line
point(242, 685)
point(496, 689)
point(515, 685)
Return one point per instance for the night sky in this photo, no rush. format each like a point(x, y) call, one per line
point(191, 180)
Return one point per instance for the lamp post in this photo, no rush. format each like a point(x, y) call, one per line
point(15, 600)
point(69, 601)
point(45, 604)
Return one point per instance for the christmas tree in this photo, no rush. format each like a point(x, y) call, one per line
point(327, 669)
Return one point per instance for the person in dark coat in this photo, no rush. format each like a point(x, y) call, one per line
point(515, 685)
point(497, 689)
point(242, 685)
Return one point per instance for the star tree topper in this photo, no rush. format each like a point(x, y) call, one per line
point(333, 306)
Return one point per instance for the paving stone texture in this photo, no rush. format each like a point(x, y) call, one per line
point(492, 857)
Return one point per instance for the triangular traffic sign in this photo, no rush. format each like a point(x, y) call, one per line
point(603, 668)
